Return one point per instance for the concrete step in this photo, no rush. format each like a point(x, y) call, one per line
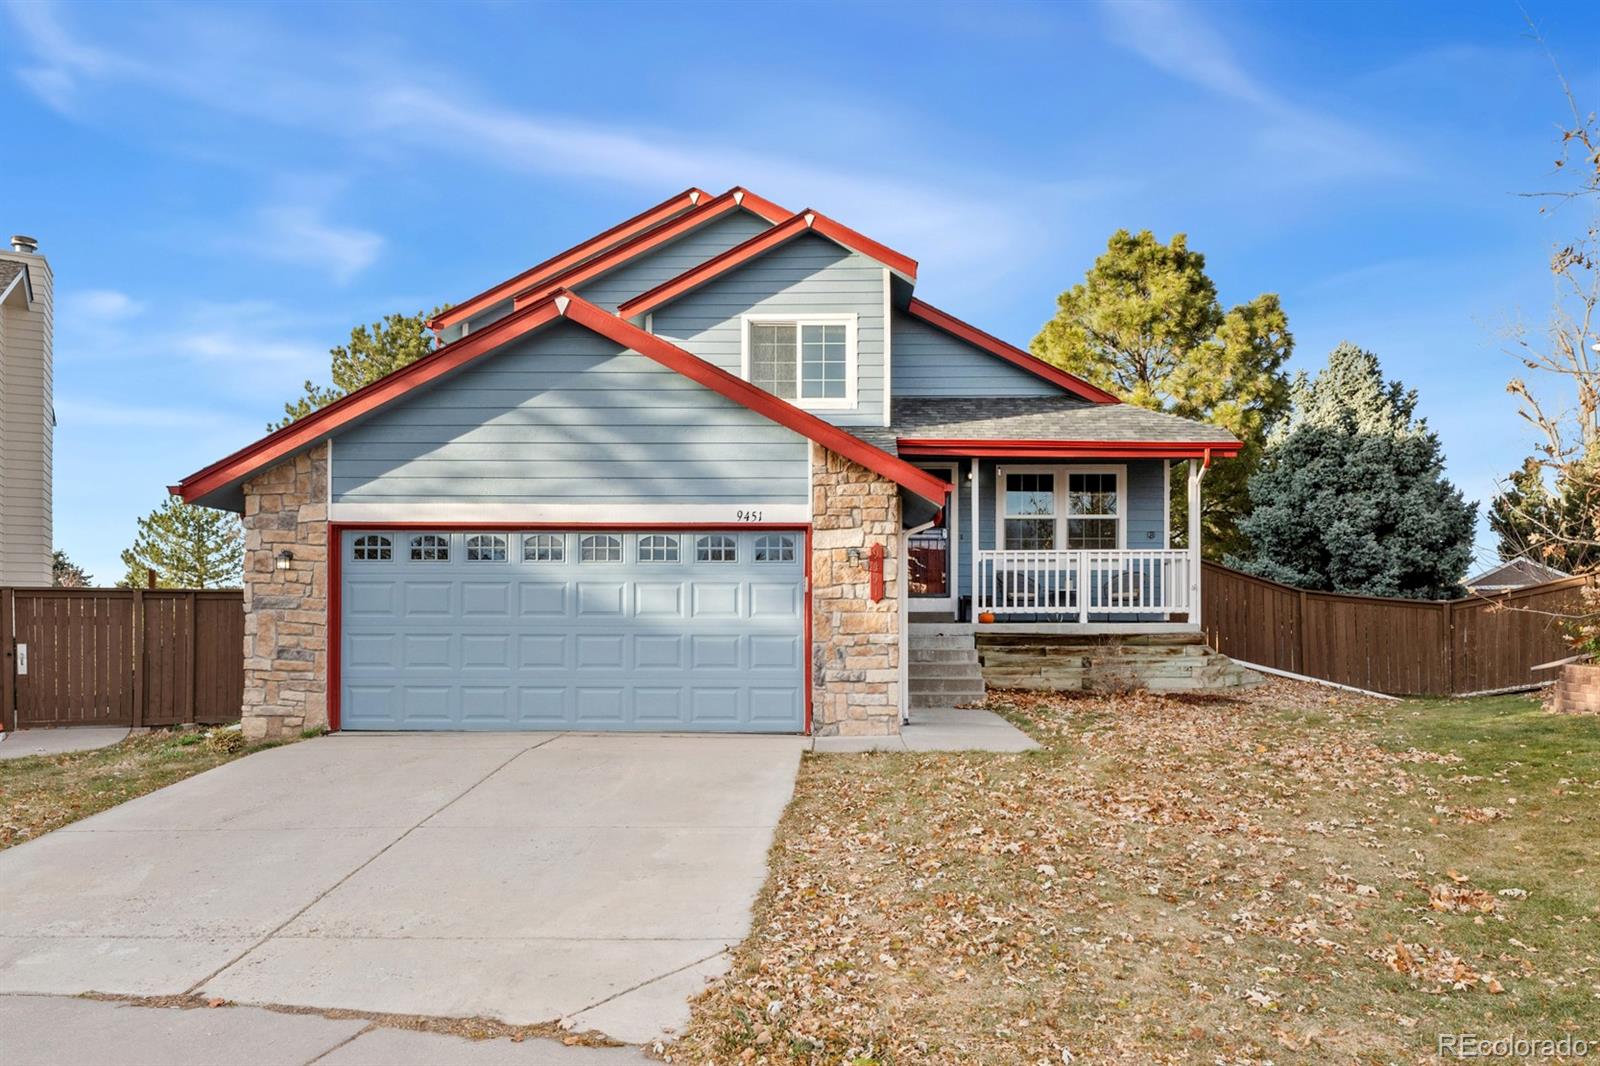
point(974, 676)
point(932, 642)
point(957, 686)
point(921, 700)
point(943, 655)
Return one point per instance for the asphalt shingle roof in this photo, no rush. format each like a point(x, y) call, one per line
point(1063, 418)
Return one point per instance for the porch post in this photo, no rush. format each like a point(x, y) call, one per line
point(977, 526)
point(1197, 471)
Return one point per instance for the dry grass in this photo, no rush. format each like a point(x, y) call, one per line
point(1286, 877)
point(44, 792)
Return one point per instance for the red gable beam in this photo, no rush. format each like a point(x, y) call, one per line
point(1009, 352)
point(623, 231)
point(803, 222)
point(276, 446)
point(1075, 449)
point(709, 211)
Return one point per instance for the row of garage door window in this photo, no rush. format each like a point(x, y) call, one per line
point(592, 548)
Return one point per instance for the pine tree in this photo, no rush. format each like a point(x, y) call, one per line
point(1554, 525)
point(66, 574)
point(1351, 496)
point(188, 547)
point(373, 352)
point(1146, 324)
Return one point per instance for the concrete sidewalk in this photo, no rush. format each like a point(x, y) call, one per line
point(939, 729)
point(22, 743)
point(65, 1031)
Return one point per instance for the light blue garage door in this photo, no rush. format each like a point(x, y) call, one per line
point(684, 631)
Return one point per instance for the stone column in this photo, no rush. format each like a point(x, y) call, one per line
point(855, 643)
point(286, 611)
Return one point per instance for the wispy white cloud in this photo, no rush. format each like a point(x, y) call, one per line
point(105, 305)
point(300, 235)
point(1175, 39)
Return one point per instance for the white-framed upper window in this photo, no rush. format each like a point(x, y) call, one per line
point(1072, 508)
point(486, 548)
point(658, 548)
point(544, 548)
point(430, 548)
point(775, 548)
point(809, 360)
point(716, 548)
point(373, 547)
point(600, 548)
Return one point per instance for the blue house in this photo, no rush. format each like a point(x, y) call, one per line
point(704, 471)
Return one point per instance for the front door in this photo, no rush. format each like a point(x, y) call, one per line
point(931, 556)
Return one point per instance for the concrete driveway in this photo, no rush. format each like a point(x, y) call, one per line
point(524, 877)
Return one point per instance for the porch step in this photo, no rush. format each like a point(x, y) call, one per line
point(943, 667)
point(941, 642)
point(957, 686)
point(920, 654)
point(921, 701)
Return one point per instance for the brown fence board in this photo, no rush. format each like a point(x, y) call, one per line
point(121, 657)
point(1401, 647)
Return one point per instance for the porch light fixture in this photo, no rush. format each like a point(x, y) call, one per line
point(284, 558)
point(854, 554)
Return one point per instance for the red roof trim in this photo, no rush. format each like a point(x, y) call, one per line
point(687, 200)
point(1009, 352)
point(709, 211)
point(277, 445)
point(1076, 449)
point(759, 245)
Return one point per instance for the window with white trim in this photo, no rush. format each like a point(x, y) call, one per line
point(810, 359)
point(372, 548)
point(716, 548)
point(543, 548)
point(600, 548)
point(486, 548)
point(1030, 512)
point(430, 548)
point(1093, 506)
point(775, 548)
point(658, 548)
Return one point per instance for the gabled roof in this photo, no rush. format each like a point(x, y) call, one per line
point(646, 220)
point(14, 277)
point(1043, 427)
point(1009, 352)
point(797, 225)
point(280, 445)
point(709, 211)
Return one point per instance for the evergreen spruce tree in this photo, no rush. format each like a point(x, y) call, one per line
point(1351, 496)
point(1551, 524)
point(66, 574)
point(188, 547)
point(373, 352)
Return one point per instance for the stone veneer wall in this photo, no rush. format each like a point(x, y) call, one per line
point(1577, 690)
point(855, 643)
point(286, 611)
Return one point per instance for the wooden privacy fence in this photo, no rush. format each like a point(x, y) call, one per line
point(1401, 647)
point(130, 657)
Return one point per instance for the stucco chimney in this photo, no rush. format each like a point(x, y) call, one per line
point(25, 245)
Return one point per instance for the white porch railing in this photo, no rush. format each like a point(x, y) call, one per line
point(1082, 583)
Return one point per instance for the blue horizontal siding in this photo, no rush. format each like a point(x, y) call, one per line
point(809, 275)
point(930, 362)
point(568, 416)
point(668, 261)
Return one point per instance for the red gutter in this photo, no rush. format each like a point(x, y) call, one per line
point(797, 224)
point(1009, 352)
point(1075, 449)
point(646, 220)
point(709, 211)
point(275, 446)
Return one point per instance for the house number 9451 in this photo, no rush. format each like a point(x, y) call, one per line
point(748, 516)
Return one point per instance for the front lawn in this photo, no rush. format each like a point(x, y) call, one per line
point(44, 792)
point(1292, 876)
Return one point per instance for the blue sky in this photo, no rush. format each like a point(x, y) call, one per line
point(224, 191)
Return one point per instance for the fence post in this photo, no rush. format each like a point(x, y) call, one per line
point(8, 660)
point(1449, 647)
point(1300, 632)
point(138, 658)
point(194, 674)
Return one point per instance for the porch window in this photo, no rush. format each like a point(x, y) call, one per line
point(1030, 512)
point(1092, 512)
point(808, 360)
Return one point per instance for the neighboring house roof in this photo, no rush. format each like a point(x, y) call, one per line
point(1040, 426)
point(1009, 352)
point(1515, 574)
point(732, 200)
point(797, 225)
point(227, 474)
point(14, 277)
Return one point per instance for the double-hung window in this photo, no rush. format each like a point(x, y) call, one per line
point(1062, 508)
point(807, 359)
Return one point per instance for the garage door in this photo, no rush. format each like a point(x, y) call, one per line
point(687, 630)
